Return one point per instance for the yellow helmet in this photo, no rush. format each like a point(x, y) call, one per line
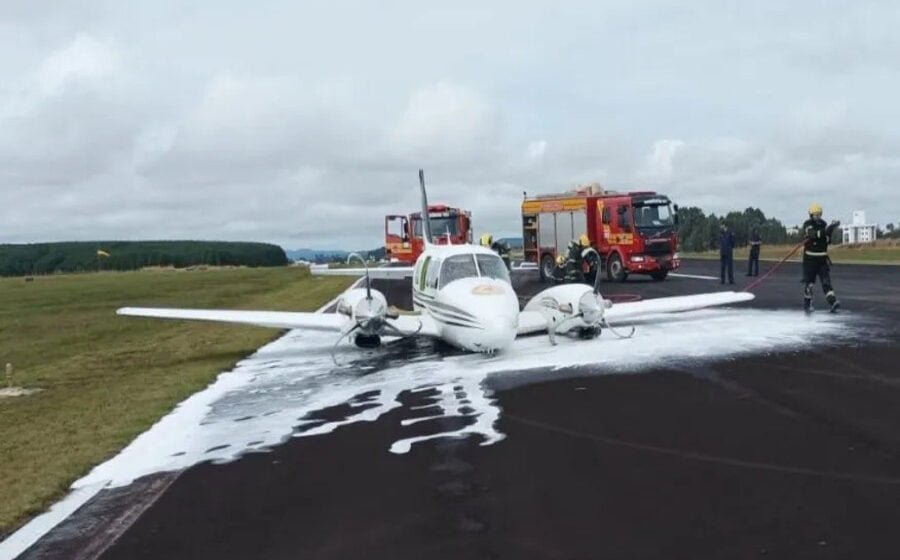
point(486, 239)
point(815, 208)
point(584, 240)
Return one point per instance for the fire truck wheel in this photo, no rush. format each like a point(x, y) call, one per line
point(615, 270)
point(659, 275)
point(547, 267)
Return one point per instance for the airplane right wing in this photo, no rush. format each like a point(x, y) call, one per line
point(413, 324)
point(421, 325)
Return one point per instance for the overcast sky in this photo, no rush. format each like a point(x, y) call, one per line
point(303, 123)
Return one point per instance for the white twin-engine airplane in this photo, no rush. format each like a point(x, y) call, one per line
point(462, 295)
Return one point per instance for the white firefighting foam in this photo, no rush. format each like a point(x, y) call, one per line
point(278, 392)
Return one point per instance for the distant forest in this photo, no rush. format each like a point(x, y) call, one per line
point(699, 232)
point(82, 256)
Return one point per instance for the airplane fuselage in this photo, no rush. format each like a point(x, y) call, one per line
point(476, 308)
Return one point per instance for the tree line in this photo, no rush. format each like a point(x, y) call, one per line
point(84, 256)
point(700, 232)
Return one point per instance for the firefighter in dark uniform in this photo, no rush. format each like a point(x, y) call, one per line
point(726, 254)
point(500, 247)
point(817, 237)
point(753, 262)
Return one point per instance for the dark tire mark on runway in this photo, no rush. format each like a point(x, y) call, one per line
point(703, 457)
point(709, 373)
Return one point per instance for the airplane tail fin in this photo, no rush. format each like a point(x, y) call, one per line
point(426, 221)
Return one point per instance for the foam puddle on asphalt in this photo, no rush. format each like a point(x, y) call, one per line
point(292, 387)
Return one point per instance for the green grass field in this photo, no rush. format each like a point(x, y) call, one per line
point(106, 378)
point(880, 253)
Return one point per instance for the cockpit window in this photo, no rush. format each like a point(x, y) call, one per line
point(458, 267)
point(492, 266)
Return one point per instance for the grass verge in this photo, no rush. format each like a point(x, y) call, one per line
point(881, 253)
point(105, 378)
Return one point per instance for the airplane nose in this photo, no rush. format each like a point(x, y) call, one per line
point(499, 332)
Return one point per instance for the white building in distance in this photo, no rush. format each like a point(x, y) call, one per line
point(858, 231)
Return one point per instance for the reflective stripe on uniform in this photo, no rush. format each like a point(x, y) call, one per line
point(814, 254)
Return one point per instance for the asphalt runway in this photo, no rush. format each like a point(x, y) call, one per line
point(792, 453)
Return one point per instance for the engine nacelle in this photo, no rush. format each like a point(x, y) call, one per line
point(569, 307)
point(355, 305)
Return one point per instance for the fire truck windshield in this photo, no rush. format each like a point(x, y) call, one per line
point(650, 214)
point(440, 225)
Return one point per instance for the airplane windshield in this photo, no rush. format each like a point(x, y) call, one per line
point(492, 266)
point(458, 267)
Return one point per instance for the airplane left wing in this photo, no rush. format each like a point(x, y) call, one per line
point(531, 322)
point(380, 273)
point(271, 319)
point(637, 309)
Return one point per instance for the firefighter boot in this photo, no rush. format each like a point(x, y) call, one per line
point(807, 298)
point(832, 301)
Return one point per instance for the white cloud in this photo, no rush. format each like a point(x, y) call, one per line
point(659, 162)
point(536, 149)
point(443, 123)
point(84, 59)
point(305, 126)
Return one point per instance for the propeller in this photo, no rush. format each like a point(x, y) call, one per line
point(370, 315)
point(590, 311)
point(365, 266)
point(603, 305)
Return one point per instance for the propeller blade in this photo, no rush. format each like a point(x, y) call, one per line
point(391, 329)
point(366, 266)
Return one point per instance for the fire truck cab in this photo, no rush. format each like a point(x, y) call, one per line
point(403, 238)
point(633, 233)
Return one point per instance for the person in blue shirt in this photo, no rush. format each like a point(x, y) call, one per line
point(753, 263)
point(726, 254)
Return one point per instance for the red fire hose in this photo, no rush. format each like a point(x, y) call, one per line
point(753, 284)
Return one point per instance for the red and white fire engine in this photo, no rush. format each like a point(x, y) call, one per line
point(632, 233)
point(403, 239)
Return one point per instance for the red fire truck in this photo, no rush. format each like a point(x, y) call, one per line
point(403, 239)
point(632, 233)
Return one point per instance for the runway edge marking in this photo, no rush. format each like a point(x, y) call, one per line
point(692, 276)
